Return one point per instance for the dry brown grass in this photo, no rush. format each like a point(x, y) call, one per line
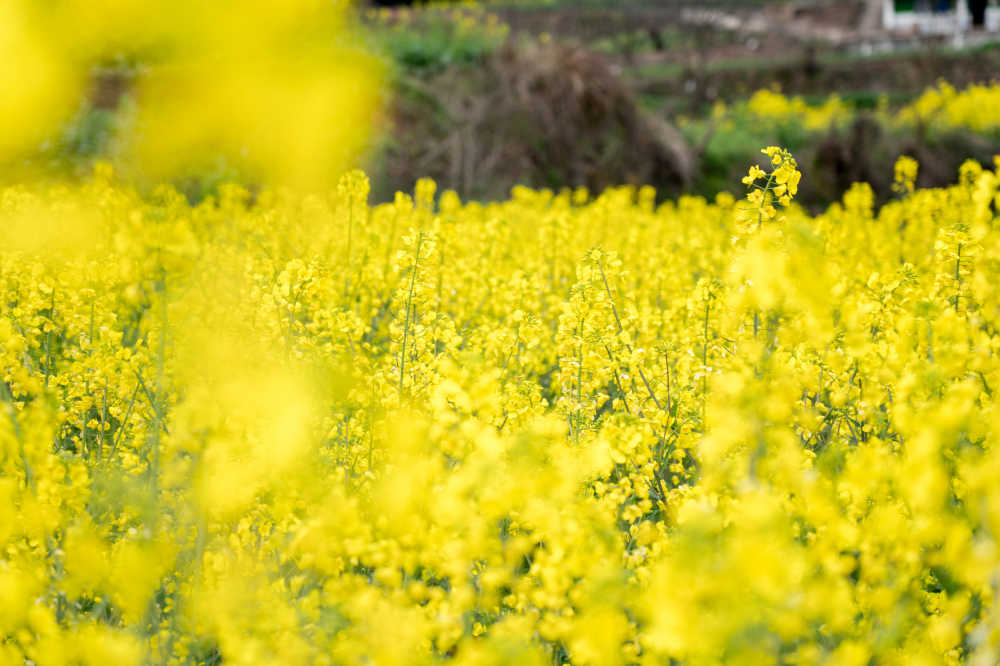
point(542, 115)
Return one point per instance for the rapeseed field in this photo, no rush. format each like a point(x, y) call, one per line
point(562, 428)
point(281, 425)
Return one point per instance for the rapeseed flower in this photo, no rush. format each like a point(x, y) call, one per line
point(585, 429)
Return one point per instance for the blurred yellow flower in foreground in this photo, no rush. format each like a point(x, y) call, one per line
point(279, 90)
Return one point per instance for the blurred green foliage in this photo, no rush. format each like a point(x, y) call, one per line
point(431, 39)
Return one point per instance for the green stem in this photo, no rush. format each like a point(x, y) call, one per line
point(104, 419)
point(704, 363)
point(350, 234)
point(958, 276)
point(409, 307)
point(763, 199)
point(48, 338)
point(618, 383)
point(618, 321)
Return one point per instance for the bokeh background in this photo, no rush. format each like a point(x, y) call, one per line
point(480, 97)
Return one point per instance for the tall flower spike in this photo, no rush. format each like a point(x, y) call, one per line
point(905, 174)
point(781, 184)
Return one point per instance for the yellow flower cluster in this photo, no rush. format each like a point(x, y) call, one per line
point(283, 429)
point(780, 185)
point(774, 105)
point(905, 174)
point(468, 16)
point(976, 108)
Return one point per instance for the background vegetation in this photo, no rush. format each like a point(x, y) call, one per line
point(483, 97)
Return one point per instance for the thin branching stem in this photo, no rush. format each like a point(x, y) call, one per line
point(409, 309)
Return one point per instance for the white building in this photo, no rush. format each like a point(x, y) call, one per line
point(940, 17)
